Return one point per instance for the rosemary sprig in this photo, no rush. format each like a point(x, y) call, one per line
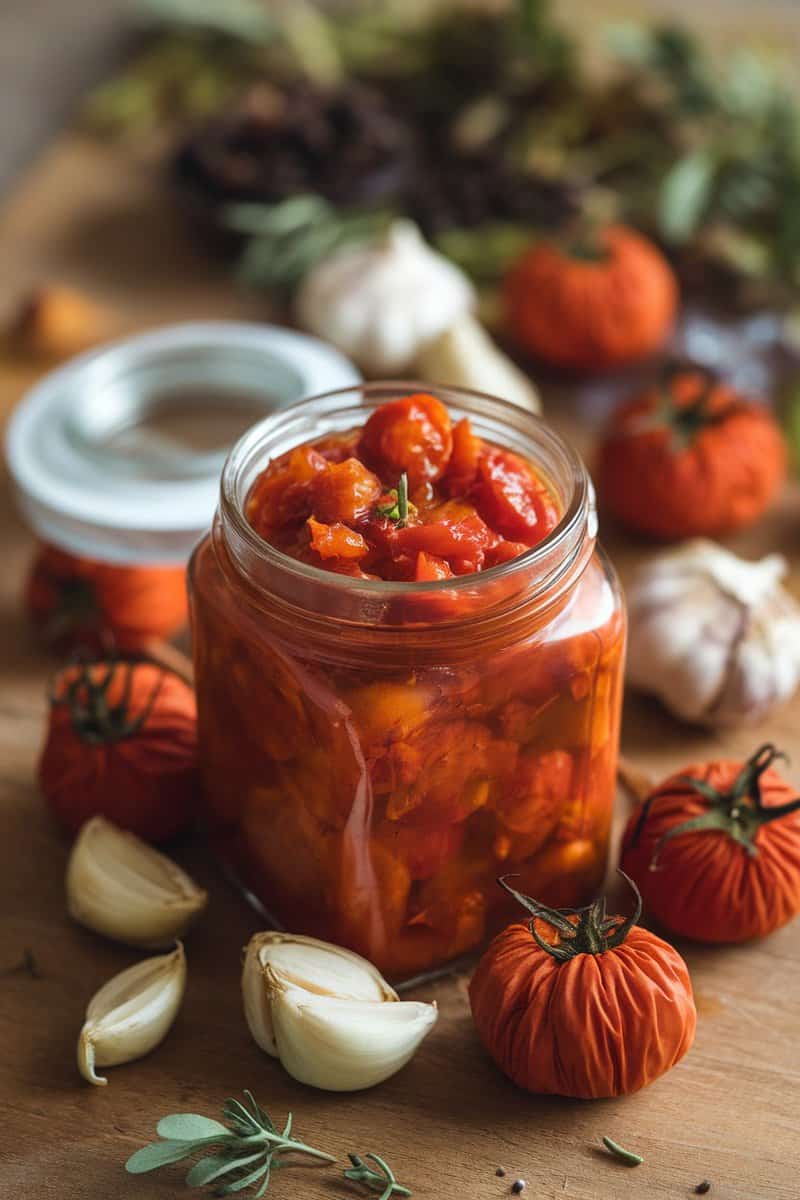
point(382, 1180)
point(248, 1148)
point(400, 508)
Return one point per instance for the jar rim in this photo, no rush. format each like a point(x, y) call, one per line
point(305, 419)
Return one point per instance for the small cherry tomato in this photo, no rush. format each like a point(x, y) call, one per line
point(344, 491)
point(412, 434)
point(510, 498)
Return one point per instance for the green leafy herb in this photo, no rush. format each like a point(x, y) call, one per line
point(382, 1180)
point(685, 193)
point(399, 509)
point(285, 240)
point(248, 1148)
point(628, 1157)
point(244, 20)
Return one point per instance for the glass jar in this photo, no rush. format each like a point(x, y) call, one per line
point(376, 754)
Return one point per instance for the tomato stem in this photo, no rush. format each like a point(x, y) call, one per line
point(687, 421)
point(93, 718)
point(586, 930)
point(738, 812)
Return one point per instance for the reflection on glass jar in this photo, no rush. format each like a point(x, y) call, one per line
point(376, 753)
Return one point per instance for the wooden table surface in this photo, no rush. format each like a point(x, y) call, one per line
point(728, 1113)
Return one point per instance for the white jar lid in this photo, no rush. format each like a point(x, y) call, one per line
point(117, 455)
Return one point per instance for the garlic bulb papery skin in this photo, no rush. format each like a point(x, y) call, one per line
point(328, 1014)
point(465, 356)
point(381, 301)
point(120, 886)
point(131, 1013)
point(716, 638)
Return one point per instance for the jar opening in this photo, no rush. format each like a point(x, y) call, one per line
point(534, 575)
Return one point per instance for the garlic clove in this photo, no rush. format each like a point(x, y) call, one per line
point(120, 886)
point(320, 968)
point(465, 356)
point(343, 1045)
point(131, 1014)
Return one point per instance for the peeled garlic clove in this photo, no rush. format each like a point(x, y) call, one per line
point(319, 967)
point(715, 637)
point(131, 1013)
point(120, 886)
point(465, 356)
point(345, 1045)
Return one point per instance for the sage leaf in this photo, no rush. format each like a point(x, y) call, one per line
point(208, 1169)
point(188, 1127)
point(238, 1185)
point(158, 1154)
point(685, 192)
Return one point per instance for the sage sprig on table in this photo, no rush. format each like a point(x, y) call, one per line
point(248, 1148)
point(382, 1180)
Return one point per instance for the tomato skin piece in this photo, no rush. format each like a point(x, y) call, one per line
point(462, 470)
point(336, 541)
point(412, 434)
point(452, 531)
point(344, 491)
point(511, 500)
point(430, 568)
point(424, 848)
point(504, 551)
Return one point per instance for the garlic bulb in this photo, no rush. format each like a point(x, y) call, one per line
point(465, 356)
point(131, 1013)
point(715, 637)
point(328, 1014)
point(120, 886)
point(380, 301)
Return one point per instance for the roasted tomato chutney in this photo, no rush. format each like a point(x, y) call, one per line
point(408, 656)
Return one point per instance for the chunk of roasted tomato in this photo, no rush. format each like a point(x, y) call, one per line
point(511, 499)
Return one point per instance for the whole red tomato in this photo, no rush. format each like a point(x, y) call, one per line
point(582, 1004)
point(715, 850)
point(122, 743)
point(689, 457)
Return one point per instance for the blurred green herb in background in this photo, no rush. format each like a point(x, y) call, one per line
point(511, 135)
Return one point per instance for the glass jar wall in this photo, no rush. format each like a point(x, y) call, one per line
point(376, 754)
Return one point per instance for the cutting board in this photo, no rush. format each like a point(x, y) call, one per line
point(98, 218)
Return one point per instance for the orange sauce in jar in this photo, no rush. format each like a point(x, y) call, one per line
point(408, 657)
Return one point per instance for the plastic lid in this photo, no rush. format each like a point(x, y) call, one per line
point(117, 455)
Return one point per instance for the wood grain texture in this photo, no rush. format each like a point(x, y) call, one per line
point(727, 1113)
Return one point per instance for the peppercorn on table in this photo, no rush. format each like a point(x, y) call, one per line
point(449, 1122)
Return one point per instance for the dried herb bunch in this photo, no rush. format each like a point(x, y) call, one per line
point(468, 118)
